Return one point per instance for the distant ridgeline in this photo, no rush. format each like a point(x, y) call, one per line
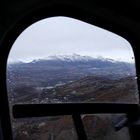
point(67, 68)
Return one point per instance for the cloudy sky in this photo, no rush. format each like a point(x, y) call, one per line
point(66, 36)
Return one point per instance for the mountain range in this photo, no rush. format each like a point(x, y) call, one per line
point(76, 64)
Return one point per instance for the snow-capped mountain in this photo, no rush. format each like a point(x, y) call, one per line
point(79, 64)
point(55, 70)
point(69, 58)
point(73, 57)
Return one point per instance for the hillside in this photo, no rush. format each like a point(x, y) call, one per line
point(94, 89)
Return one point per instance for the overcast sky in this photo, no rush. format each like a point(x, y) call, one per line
point(66, 36)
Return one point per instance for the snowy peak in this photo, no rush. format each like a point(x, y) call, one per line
point(74, 57)
point(77, 57)
point(106, 59)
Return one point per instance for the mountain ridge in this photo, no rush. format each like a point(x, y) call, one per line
point(70, 58)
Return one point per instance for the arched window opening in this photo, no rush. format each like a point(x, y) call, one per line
point(64, 60)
